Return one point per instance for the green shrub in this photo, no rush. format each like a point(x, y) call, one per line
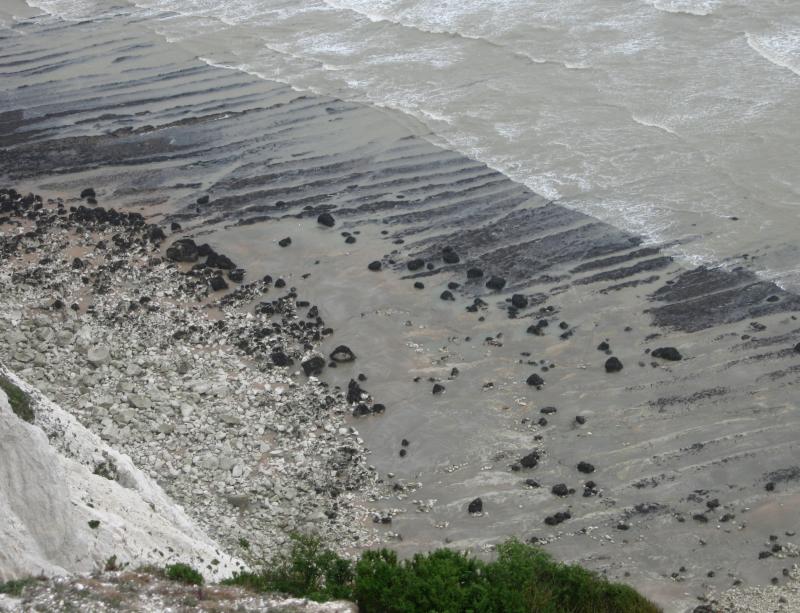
point(523, 579)
point(20, 401)
point(16, 586)
point(526, 579)
point(184, 574)
point(308, 570)
point(94, 524)
point(443, 580)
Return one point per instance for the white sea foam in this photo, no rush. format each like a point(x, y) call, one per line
point(698, 8)
point(782, 48)
point(70, 10)
point(651, 123)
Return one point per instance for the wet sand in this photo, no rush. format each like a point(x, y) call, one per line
point(107, 104)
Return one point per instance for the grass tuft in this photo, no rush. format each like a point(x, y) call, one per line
point(20, 401)
point(183, 573)
point(15, 587)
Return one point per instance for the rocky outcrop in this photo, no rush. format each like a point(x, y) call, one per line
point(69, 503)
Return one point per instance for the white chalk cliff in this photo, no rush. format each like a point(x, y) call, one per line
point(49, 493)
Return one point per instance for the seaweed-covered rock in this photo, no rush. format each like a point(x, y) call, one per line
point(476, 506)
point(518, 301)
point(496, 283)
point(667, 353)
point(313, 365)
point(326, 219)
point(535, 380)
point(183, 250)
point(613, 364)
point(343, 353)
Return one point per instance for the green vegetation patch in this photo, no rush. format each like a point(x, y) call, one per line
point(20, 401)
point(15, 587)
point(183, 573)
point(523, 579)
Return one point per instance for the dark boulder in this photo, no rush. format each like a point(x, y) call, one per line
point(554, 520)
point(202, 200)
point(548, 410)
point(326, 219)
point(449, 256)
point(535, 380)
point(438, 388)
point(313, 365)
point(354, 392)
point(175, 227)
point(217, 283)
point(419, 285)
point(415, 264)
point(361, 410)
point(78, 264)
point(667, 353)
point(585, 467)
point(217, 260)
point(88, 193)
point(350, 240)
point(285, 242)
point(343, 353)
point(518, 301)
point(474, 273)
point(476, 506)
point(204, 250)
point(279, 358)
point(560, 489)
point(447, 295)
point(496, 283)
point(797, 347)
point(155, 234)
point(535, 329)
point(604, 346)
point(613, 365)
point(374, 266)
point(477, 304)
point(183, 250)
point(236, 275)
point(530, 460)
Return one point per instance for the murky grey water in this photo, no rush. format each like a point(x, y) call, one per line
point(665, 117)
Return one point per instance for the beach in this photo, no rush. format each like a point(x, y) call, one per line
point(675, 474)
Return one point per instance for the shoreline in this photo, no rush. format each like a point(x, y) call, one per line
point(251, 451)
point(270, 162)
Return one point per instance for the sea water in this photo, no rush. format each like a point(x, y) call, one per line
point(664, 117)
